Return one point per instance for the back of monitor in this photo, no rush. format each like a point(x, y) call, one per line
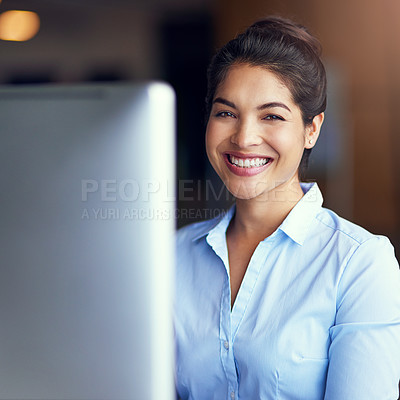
point(86, 230)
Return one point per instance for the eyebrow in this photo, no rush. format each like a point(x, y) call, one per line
point(272, 104)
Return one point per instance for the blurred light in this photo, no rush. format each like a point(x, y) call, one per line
point(18, 25)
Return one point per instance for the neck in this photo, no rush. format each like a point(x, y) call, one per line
point(258, 218)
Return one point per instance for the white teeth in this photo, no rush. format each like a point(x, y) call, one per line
point(248, 162)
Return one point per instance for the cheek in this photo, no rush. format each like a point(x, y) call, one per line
point(212, 139)
point(208, 140)
point(210, 144)
point(289, 145)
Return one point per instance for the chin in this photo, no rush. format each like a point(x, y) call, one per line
point(244, 192)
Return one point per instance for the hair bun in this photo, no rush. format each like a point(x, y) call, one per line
point(288, 28)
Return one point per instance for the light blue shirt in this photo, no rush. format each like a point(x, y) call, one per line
point(317, 315)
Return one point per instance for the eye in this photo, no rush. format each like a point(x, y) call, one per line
point(273, 117)
point(225, 114)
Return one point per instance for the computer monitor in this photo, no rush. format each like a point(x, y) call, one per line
point(87, 241)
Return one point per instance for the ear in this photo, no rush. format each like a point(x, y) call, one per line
point(312, 131)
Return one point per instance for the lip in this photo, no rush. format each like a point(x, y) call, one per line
point(240, 171)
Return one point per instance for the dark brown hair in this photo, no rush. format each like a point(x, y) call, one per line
point(288, 50)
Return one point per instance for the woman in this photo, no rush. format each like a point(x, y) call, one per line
point(280, 298)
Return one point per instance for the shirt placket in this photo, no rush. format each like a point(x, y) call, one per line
point(230, 321)
point(225, 331)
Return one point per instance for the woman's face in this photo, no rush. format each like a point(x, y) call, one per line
point(255, 135)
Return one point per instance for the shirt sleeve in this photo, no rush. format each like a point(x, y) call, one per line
point(364, 355)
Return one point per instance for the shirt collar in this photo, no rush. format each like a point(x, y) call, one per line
point(220, 224)
point(295, 225)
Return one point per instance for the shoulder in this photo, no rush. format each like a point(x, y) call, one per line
point(356, 250)
point(353, 239)
point(190, 233)
point(194, 256)
point(346, 230)
point(370, 265)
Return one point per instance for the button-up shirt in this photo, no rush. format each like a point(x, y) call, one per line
point(317, 315)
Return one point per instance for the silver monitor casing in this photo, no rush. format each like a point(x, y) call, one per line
point(87, 241)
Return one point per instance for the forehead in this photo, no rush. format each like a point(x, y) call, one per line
point(253, 83)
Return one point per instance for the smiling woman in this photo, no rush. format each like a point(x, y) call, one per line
point(254, 117)
point(280, 298)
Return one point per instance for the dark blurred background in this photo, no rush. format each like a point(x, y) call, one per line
point(355, 162)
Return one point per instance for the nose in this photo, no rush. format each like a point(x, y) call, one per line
point(246, 135)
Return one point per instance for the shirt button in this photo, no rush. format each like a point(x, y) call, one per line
point(233, 395)
point(226, 345)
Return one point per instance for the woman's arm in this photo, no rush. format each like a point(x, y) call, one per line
point(365, 349)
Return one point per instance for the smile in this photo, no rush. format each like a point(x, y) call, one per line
point(247, 162)
point(246, 166)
